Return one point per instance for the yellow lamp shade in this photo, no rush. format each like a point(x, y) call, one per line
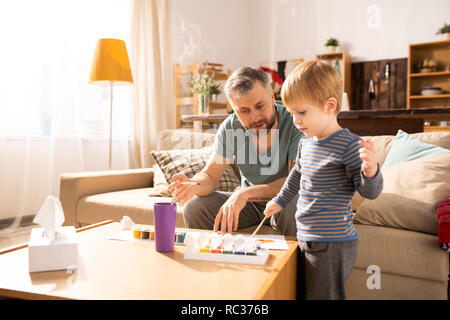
point(110, 64)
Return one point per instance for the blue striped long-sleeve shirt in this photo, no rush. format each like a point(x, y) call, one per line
point(326, 174)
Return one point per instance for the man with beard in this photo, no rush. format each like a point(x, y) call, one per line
point(261, 139)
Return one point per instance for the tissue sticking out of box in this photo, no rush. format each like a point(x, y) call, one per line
point(50, 216)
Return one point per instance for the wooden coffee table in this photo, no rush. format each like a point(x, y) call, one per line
point(112, 269)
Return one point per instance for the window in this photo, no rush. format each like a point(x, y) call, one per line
point(46, 53)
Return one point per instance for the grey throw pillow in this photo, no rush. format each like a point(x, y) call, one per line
point(190, 162)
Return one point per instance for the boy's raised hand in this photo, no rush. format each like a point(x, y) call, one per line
point(368, 155)
point(272, 208)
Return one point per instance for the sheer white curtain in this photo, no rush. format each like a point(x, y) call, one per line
point(51, 120)
point(152, 96)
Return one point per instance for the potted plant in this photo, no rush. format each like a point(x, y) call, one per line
point(444, 32)
point(215, 91)
point(331, 44)
point(202, 85)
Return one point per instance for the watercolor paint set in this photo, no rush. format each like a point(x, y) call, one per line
point(142, 233)
point(208, 246)
point(224, 248)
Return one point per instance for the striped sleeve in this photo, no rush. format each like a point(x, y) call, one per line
point(291, 186)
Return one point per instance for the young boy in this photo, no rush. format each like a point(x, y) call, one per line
point(330, 166)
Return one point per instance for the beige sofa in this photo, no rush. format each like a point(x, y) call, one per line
point(403, 247)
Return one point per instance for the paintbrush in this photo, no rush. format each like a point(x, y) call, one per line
point(174, 195)
point(254, 232)
point(259, 227)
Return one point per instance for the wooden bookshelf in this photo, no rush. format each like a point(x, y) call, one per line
point(436, 129)
point(430, 74)
point(182, 76)
point(416, 80)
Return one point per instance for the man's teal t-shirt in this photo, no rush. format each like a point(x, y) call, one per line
point(238, 145)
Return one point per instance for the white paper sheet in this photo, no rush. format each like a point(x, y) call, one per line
point(276, 242)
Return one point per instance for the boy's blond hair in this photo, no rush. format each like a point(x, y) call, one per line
point(312, 82)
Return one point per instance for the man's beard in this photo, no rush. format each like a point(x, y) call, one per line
point(269, 123)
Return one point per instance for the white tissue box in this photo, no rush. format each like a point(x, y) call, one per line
point(46, 255)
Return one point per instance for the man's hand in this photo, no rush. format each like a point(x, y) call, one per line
point(183, 189)
point(368, 155)
point(272, 208)
point(228, 216)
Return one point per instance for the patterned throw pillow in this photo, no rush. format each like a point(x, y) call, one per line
point(190, 162)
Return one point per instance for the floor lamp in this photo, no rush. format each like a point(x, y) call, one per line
point(110, 67)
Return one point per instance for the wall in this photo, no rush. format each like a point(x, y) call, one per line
point(239, 32)
point(232, 32)
point(369, 30)
point(217, 31)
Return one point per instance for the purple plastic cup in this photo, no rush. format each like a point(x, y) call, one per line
point(165, 219)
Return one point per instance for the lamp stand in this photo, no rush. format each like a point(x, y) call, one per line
point(110, 123)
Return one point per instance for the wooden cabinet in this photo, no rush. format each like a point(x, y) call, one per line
point(341, 61)
point(439, 51)
point(379, 84)
point(388, 121)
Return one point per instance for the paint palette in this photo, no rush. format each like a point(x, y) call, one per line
point(141, 233)
point(224, 248)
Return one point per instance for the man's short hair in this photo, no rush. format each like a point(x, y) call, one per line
point(243, 79)
point(312, 82)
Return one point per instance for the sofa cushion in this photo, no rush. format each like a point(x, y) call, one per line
point(383, 145)
point(441, 139)
point(134, 203)
point(191, 162)
point(411, 191)
point(401, 252)
point(393, 287)
point(160, 184)
point(406, 148)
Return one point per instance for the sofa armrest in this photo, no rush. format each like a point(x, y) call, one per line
point(74, 186)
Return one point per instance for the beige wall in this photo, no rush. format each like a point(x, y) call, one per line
point(238, 32)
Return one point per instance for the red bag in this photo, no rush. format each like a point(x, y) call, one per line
point(443, 216)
